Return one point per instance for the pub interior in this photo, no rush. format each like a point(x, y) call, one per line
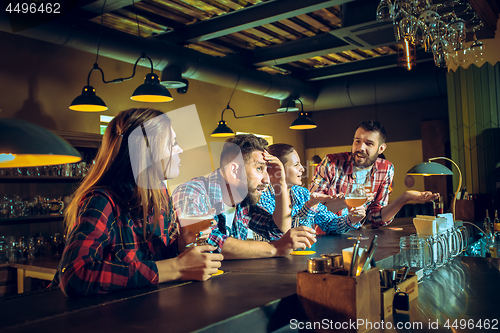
point(331, 59)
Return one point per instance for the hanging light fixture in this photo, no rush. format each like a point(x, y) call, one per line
point(303, 121)
point(23, 144)
point(151, 90)
point(315, 160)
point(88, 101)
point(222, 131)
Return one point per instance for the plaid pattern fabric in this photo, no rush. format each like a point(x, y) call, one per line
point(336, 170)
point(106, 250)
point(303, 214)
point(198, 188)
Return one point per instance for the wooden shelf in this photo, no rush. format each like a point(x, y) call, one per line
point(31, 219)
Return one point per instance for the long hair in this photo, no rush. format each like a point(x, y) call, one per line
point(122, 167)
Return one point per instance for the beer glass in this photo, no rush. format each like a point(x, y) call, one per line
point(355, 196)
point(196, 216)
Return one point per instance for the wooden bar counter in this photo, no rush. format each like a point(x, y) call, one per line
point(257, 296)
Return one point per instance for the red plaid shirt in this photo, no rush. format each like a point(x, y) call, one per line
point(106, 249)
point(336, 171)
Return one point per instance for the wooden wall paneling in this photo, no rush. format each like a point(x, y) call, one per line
point(435, 137)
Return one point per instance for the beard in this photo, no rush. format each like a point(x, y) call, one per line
point(369, 160)
point(253, 195)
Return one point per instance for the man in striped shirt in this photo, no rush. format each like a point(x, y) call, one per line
point(336, 171)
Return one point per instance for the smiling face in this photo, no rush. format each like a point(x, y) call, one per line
point(293, 169)
point(366, 147)
point(257, 176)
point(173, 151)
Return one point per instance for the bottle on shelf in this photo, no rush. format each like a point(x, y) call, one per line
point(487, 225)
point(487, 238)
point(496, 224)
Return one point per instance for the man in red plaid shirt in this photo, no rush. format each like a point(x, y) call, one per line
point(336, 171)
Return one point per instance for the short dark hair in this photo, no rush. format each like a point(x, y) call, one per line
point(374, 126)
point(244, 143)
point(280, 150)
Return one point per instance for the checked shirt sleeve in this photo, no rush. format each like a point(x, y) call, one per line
point(374, 210)
point(85, 267)
point(195, 189)
point(322, 177)
point(332, 223)
point(328, 222)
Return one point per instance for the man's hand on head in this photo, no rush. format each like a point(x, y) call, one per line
point(275, 169)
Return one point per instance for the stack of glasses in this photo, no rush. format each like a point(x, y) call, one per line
point(432, 247)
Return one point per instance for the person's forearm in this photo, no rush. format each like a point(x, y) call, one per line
point(389, 211)
point(168, 270)
point(240, 249)
point(282, 215)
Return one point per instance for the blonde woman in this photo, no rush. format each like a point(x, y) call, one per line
point(120, 223)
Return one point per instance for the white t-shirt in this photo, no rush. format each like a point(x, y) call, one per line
point(229, 215)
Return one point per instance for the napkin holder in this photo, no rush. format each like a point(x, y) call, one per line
point(340, 298)
point(430, 225)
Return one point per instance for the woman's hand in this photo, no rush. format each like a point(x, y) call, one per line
point(356, 214)
point(336, 204)
point(197, 263)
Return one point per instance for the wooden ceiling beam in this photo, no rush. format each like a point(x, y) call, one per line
point(251, 17)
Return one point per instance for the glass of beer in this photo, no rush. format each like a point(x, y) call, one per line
point(368, 186)
point(355, 196)
point(196, 216)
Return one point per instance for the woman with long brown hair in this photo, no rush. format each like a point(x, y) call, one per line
point(120, 222)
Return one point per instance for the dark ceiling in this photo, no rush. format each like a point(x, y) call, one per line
point(307, 39)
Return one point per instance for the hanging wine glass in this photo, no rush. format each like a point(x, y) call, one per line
point(460, 56)
point(384, 10)
point(477, 49)
point(440, 50)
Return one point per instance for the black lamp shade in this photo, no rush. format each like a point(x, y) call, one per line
point(303, 122)
point(315, 160)
point(222, 131)
point(88, 101)
point(151, 91)
point(429, 169)
point(23, 144)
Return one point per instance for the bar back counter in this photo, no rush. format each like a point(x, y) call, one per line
point(260, 296)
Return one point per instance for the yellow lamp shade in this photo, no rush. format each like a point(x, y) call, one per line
point(23, 144)
point(88, 101)
point(151, 91)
